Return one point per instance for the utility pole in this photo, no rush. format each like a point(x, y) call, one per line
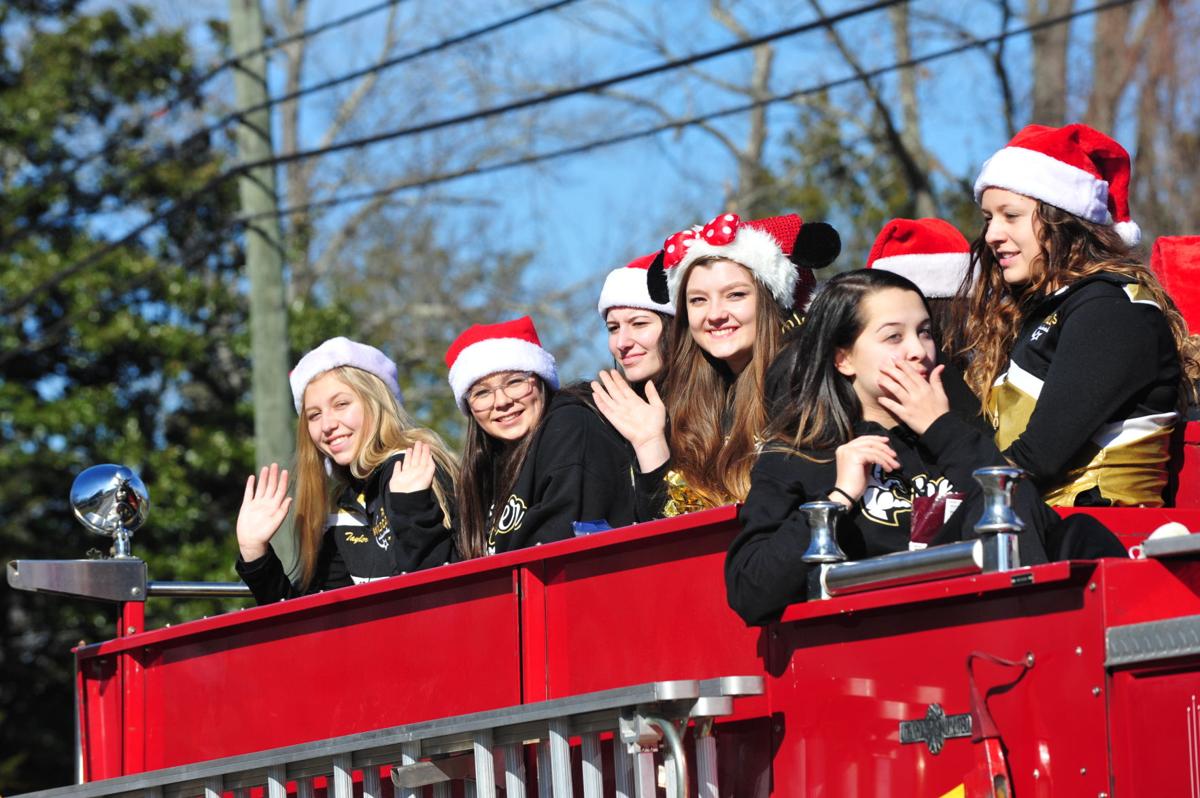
point(273, 412)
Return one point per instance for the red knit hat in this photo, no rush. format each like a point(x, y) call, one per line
point(1076, 168)
point(930, 252)
point(485, 349)
point(780, 251)
point(626, 288)
point(1175, 260)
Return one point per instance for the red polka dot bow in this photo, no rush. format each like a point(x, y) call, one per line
point(718, 233)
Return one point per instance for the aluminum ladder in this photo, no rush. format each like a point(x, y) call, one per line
point(474, 747)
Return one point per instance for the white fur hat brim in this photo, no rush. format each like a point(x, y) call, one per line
point(494, 355)
point(342, 352)
point(627, 288)
point(938, 275)
point(757, 251)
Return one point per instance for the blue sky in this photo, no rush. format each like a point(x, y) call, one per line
point(584, 215)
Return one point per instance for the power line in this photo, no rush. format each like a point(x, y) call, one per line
point(190, 90)
point(578, 149)
point(173, 150)
point(527, 102)
point(573, 91)
point(191, 198)
point(401, 59)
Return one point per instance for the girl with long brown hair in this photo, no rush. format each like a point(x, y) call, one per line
point(734, 286)
point(630, 397)
point(1074, 348)
point(870, 426)
point(374, 493)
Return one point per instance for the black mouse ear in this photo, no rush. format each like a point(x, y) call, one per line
point(656, 280)
point(817, 245)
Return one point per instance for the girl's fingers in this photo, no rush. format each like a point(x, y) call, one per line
point(601, 398)
point(248, 496)
point(273, 479)
point(261, 489)
point(609, 382)
point(935, 378)
point(652, 394)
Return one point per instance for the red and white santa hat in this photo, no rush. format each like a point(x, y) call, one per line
point(342, 352)
point(626, 288)
point(763, 246)
point(485, 349)
point(1076, 168)
point(930, 252)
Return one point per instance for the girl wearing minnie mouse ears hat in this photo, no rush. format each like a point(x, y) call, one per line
point(1075, 349)
point(374, 494)
point(734, 286)
point(537, 459)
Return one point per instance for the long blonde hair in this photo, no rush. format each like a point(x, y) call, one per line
point(989, 313)
point(715, 458)
point(390, 431)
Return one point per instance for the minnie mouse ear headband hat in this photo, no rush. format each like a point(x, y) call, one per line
point(626, 287)
point(342, 352)
point(780, 251)
point(1076, 168)
point(930, 252)
point(485, 349)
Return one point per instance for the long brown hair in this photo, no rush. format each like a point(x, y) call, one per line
point(390, 431)
point(717, 418)
point(989, 312)
point(489, 471)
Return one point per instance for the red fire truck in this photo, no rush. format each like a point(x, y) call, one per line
point(612, 665)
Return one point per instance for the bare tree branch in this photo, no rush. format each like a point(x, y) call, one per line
point(915, 176)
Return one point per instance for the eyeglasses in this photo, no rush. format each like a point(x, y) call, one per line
point(516, 388)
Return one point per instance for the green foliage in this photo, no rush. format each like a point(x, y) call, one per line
point(138, 359)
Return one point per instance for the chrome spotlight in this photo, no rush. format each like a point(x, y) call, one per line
point(112, 501)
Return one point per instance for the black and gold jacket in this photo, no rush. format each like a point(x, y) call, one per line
point(370, 534)
point(1088, 400)
point(577, 469)
point(764, 568)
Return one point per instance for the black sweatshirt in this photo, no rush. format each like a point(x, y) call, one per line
point(371, 534)
point(1094, 360)
point(577, 469)
point(764, 572)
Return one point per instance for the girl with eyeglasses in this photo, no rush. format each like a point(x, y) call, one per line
point(374, 493)
point(537, 459)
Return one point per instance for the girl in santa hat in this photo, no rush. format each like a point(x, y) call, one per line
point(374, 493)
point(630, 398)
point(869, 427)
point(734, 286)
point(537, 459)
point(1075, 349)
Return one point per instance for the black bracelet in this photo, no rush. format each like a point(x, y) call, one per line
point(836, 489)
